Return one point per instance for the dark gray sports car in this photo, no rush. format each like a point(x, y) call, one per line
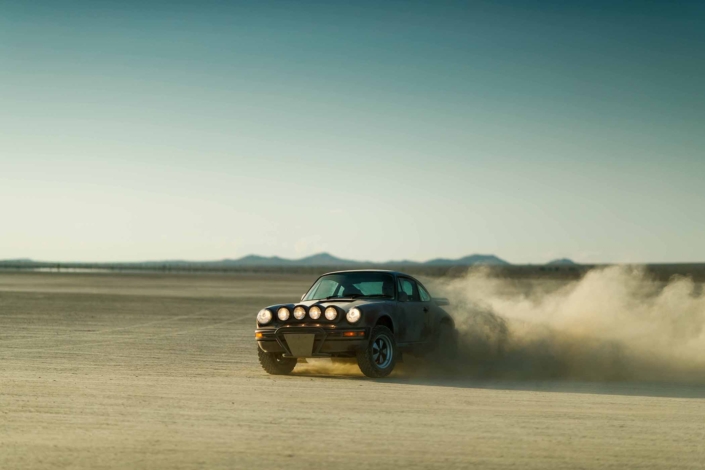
point(371, 315)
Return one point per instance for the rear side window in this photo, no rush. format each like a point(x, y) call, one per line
point(408, 287)
point(425, 296)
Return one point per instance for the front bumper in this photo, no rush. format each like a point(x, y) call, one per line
point(327, 342)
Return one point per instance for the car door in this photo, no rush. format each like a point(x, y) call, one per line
point(413, 314)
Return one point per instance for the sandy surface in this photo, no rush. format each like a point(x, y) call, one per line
point(140, 371)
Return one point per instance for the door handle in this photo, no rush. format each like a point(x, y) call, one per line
point(425, 309)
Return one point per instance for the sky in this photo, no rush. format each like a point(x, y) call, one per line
point(375, 131)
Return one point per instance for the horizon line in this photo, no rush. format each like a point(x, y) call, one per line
point(370, 262)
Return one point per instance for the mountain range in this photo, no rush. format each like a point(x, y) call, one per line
point(326, 259)
point(320, 259)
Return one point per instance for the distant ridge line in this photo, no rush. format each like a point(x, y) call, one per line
point(319, 259)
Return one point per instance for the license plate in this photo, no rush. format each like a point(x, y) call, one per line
point(300, 345)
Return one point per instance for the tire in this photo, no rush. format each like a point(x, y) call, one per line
point(379, 357)
point(275, 364)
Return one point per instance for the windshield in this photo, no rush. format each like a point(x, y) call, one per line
point(352, 285)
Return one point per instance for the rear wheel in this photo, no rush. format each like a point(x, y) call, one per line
point(380, 355)
point(276, 363)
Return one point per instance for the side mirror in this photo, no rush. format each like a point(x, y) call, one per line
point(441, 301)
point(403, 297)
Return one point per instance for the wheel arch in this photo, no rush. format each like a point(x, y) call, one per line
point(385, 320)
point(447, 320)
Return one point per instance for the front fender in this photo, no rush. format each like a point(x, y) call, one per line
point(386, 314)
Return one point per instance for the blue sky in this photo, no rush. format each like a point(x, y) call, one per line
point(204, 130)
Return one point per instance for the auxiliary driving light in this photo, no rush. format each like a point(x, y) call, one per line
point(283, 314)
point(331, 313)
point(314, 312)
point(299, 313)
point(264, 316)
point(353, 315)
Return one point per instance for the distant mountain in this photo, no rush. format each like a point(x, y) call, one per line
point(254, 260)
point(403, 262)
point(320, 259)
point(468, 261)
point(18, 260)
point(324, 259)
point(562, 262)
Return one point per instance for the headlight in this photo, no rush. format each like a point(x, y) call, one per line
point(283, 314)
point(264, 316)
point(299, 313)
point(353, 315)
point(314, 312)
point(331, 313)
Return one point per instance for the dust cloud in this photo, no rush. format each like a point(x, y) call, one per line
point(327, 367)
point(615, 323)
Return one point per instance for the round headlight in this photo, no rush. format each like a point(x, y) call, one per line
point(314, 312)
point(283, 314)
point(264, 316)
point(353, 315)
point(331, 313)
point(299, 313)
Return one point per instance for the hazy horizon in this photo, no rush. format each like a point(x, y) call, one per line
point(355, 260)
point(528, 130)
point(272, 256)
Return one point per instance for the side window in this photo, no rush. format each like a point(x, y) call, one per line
point(408, 287)
point(425, 296)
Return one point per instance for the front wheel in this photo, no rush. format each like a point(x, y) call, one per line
point(379, 357)
point(276, 363)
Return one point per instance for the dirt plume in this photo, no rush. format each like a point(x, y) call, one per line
point(616, 323)
point(327, 367)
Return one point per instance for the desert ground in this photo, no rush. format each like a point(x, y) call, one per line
point(160, 371)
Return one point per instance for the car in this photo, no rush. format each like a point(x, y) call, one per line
point(374, 316)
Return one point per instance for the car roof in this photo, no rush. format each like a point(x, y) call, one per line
point(386, 271)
